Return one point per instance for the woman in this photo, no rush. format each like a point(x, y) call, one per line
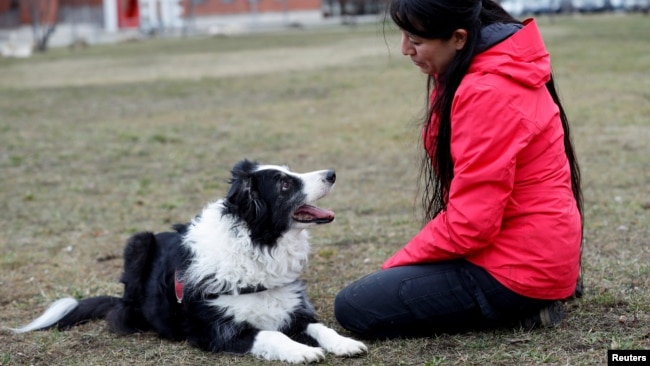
point(502, 240)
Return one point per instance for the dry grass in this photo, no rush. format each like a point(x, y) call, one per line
point(97, 144)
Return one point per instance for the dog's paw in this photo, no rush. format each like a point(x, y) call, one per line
point(335, 343)
point(346, 347)
point(275, 346)
point(300, 353)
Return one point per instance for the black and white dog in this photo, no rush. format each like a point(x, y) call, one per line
point(228, 281)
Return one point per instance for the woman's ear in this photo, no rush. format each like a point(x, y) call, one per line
point(459, 38)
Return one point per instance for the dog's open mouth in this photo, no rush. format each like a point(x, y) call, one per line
point(312, 214)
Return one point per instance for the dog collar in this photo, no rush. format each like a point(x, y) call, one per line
point(179, 285)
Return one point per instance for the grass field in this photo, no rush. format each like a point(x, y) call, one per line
point(96, 144)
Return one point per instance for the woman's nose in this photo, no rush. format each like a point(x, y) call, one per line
point(407, 47)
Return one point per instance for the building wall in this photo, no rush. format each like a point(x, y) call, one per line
point(223, 7)
point(81, 2)
point(46, 10)
point(50, 10)
point(5, 5)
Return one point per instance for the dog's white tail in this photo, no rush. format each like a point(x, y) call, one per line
point(53, 314)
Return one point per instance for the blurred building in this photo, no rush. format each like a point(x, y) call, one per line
point(98, 21)
point(122, 14)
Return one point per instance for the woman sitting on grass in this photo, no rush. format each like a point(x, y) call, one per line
point(502, 241)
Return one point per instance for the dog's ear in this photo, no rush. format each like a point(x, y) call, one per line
point(243, 197)
point(243, 167)
point(240, 182)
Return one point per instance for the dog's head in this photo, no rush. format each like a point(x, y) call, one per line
point(272, 200)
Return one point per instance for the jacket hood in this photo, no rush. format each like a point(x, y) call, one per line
point(495, 33)
point(521, 57)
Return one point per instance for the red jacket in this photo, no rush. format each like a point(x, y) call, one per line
point(511, 209)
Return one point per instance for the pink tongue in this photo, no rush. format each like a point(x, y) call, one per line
point(313, 213)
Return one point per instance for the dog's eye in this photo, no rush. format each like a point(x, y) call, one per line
point(285, 185)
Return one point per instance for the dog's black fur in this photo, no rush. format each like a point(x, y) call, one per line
point(262, 202)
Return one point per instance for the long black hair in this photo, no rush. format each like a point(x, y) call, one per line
point(438, 19)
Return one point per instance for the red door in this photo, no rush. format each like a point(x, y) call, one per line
point(128, 14)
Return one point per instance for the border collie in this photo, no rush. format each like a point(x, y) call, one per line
point(228, 281)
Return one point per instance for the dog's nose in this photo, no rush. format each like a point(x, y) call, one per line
point(330, 176)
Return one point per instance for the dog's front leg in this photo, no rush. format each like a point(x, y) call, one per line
point(272, 345)
point(333, 342)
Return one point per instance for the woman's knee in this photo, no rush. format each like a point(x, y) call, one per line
point(348, 314)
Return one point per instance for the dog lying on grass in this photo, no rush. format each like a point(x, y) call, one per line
point(228, 281)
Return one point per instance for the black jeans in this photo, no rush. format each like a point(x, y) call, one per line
point(426, 299)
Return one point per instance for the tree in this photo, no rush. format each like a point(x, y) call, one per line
point(43, 16)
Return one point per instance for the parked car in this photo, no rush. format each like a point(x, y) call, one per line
point(514, 7)
point(637, 5)
point(351, 7)
point(537, 6)
point(590, 6)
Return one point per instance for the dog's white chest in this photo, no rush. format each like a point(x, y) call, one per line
point(266, 310)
